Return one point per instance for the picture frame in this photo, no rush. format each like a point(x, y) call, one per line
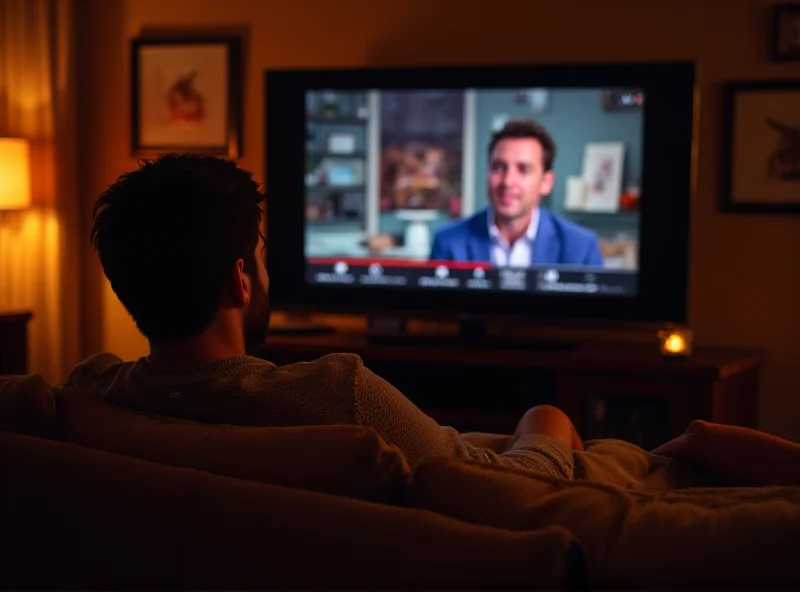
point(761, 147)
point(785, 34)
point(186, 96)
point(603, 164)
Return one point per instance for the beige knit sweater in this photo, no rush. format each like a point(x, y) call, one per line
point(335, 389)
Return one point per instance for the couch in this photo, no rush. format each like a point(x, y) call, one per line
point(98, 496)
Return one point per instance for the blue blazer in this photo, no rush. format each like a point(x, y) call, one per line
point(558, 241)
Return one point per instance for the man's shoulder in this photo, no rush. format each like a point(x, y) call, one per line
point(340, 361)
point(95, 372)
point(333, 382)
point(570, 230)
point(335, 368)
point(463, 227)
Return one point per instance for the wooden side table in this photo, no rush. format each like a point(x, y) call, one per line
point(14, 342)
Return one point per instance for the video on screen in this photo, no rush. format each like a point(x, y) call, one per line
point(521, 189)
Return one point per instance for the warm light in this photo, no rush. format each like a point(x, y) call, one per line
point(675, 342)
point(15, 180)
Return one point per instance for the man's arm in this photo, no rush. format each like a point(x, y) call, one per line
point(438, 250)
point(95, 373)
point(380, 406)
point(594, 256)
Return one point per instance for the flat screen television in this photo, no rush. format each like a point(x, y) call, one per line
point(555, 191)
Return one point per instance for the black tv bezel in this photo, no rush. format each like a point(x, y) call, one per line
point(670, 91)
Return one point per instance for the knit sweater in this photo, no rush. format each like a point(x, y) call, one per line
point(335, 389)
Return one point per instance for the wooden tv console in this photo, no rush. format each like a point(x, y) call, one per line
point(626, 391)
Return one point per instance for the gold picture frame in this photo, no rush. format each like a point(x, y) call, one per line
point(186, 96)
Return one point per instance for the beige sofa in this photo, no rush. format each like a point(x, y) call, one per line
point(97, 496)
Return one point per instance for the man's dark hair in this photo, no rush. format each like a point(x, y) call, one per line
point(168, 233)
point(529, 130)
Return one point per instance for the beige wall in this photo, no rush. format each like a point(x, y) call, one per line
point(730, 303)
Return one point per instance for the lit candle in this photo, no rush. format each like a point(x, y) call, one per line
point(675, 342)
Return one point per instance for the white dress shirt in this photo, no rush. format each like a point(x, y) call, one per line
point(520, 254)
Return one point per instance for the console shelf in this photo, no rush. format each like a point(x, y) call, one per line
point(626, 391)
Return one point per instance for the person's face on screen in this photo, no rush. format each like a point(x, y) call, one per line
point(257, 316)
point(517, 179)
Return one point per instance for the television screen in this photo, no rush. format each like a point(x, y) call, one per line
point(502, 189)
point(557, 191)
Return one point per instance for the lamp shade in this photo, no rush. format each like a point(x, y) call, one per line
point(15, 178)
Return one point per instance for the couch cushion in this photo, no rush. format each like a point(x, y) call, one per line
point(737, 538)
point(123, 523)
point(344, 460)
point(26, 406)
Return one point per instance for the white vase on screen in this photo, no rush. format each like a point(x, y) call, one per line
point(417, 233)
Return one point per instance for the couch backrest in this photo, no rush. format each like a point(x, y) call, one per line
point(27, 406)
point(74, 517)
point(345, 460)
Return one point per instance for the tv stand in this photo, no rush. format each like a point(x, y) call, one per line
point(299, 326)
point(627, 391)
point(472, 333)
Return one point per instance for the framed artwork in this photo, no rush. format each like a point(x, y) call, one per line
point(761, 147)
point(602, 173)
point(186, 96)
point(785, 35)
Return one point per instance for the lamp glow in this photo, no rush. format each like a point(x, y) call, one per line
point(15, 182)
point(675, 342)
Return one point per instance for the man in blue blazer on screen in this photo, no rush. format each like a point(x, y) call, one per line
point(514, 231)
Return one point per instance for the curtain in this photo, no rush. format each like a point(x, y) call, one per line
point(39, 256)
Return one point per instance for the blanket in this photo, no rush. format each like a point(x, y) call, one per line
point(619, 464)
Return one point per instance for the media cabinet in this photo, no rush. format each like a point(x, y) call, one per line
point(626, 391)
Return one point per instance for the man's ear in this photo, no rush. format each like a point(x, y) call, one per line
point(548, 180)
point(238, 284)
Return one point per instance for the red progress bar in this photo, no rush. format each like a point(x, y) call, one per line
point(399, 262)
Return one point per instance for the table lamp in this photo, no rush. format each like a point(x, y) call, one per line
point(15, 180)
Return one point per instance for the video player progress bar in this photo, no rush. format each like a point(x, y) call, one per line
point(398, 262)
